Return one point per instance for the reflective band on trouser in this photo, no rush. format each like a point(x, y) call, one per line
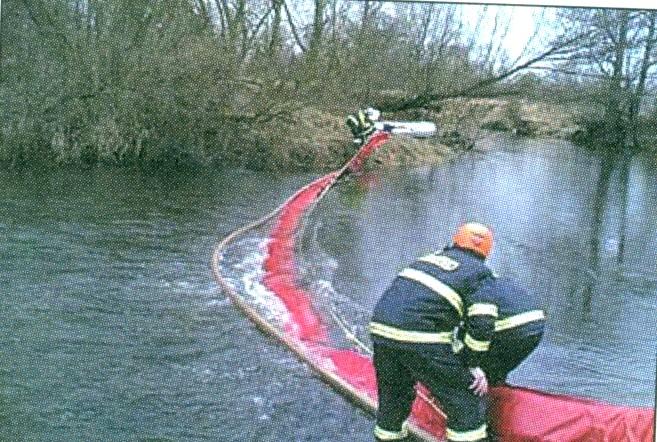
point(482, 308)
point(476, 345)
point(419, 337)
point(382, 434)
point(436, 286)
point(467, 436)
point(518, 320)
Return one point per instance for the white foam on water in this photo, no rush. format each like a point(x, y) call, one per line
point(247, 282)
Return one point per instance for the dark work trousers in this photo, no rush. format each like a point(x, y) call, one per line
point(399, 368)
point(505, 355)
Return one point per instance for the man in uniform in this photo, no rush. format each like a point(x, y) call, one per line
point(361, 124)
point(412, 331)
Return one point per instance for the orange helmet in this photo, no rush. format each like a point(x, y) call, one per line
point(474, 236)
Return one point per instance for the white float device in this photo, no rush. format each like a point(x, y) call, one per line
point(417, 129)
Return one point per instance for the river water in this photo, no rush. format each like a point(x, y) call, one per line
point(114, 330)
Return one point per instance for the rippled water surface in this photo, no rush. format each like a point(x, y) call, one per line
point(113, 328)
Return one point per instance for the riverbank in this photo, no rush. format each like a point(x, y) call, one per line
point(308, 139)
point(320, 140)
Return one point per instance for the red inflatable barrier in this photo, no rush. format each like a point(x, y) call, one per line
point(530, 416)
point(517, 414)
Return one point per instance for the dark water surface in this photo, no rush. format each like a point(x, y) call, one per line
point(113, 328)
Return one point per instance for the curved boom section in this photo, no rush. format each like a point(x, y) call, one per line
point(517, 414)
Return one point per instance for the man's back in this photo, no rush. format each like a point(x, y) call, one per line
point(431, 294)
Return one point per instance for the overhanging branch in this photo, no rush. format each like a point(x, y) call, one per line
point(425, 99)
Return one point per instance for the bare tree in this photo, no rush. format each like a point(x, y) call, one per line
point(317, 32)
point(276, 37)
point(201, 67)
point(648, 61)
point(618, 49)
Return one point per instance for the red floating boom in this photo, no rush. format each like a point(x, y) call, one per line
point(517, 414)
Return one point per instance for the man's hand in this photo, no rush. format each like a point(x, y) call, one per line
point(480, 383)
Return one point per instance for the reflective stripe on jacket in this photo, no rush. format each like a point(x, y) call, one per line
point(520, 313)
point(430, 297)
point(519, 320)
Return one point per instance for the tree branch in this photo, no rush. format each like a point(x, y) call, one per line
point(423, 100)
point(293, 28)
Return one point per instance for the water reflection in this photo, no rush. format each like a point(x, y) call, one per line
point(617, 231)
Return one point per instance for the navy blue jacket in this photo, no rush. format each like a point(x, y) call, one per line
point(432, 296)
